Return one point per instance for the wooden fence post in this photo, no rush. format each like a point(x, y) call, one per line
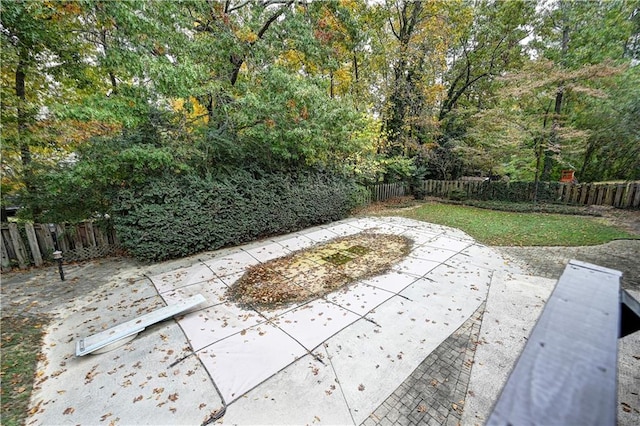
point(6, 262)
point(91, 238)
point(636, 198)
point(61, 236)
point(42, 230)
point(33, 244)
point(18, 246)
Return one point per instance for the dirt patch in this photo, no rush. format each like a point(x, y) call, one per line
point(317, 271)
point(391, 205)
point(550, 262)
point(629, 220)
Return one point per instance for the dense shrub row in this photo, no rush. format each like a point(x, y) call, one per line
point(547, 192)
point(516, 192)
point(171, 217)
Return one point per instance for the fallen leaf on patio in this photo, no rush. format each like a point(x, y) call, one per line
point(361, 387)
point(173, 397)
point(202, 405)
point(422, 408)
point(137, 398)
point(104, 417)
point(158, 390)
point(69, 410)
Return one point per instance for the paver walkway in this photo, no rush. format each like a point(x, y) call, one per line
point(435, 393)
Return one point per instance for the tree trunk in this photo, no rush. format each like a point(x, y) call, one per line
point(331, 84)
point(25, 151)
point(548, 154)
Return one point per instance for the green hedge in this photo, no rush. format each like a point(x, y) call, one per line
point(519, 191)
point(178, 216)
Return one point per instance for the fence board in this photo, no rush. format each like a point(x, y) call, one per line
point(617, 201)
point(91, 236)
point(6, 262)
point(636, 198)
point(44, 238)
point(6, 238)
point(18, 246)
point(33, 244)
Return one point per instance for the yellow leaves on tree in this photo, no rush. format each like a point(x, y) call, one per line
point(193, 110)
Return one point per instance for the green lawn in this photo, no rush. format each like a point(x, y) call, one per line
point(502, 228)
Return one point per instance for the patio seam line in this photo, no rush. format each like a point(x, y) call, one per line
point(296, 359)
point(339, 382)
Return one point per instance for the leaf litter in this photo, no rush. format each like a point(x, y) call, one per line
point(319, 270)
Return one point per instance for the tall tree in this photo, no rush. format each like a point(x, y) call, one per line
point(39, 48)
point(574, 34)
point(422, 33)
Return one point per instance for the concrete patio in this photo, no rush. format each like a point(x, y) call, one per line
point(332, 360)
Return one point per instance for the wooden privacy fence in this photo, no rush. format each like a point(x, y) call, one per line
point(28, 244)
point(622, 195)
point(385, 191)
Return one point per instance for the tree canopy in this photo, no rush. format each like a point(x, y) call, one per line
point(99, 96)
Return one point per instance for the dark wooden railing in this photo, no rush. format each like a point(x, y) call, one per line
point(567, 371)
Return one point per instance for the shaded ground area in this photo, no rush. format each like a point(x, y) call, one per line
point(549, 262)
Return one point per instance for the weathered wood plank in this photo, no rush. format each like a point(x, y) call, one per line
point(91, 239)
point(636, 197)
point(566, 373)
point(33, 244)
point(42, 231)
point(61, 236)
point(586, 189)
point(18, 246)
point(6, 261)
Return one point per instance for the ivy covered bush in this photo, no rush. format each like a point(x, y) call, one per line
point(519, 191)
point(176, 216)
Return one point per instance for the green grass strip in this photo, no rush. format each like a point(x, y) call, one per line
point(500, 228)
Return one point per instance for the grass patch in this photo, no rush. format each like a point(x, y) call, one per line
point(21, 339)
point(501, 228)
